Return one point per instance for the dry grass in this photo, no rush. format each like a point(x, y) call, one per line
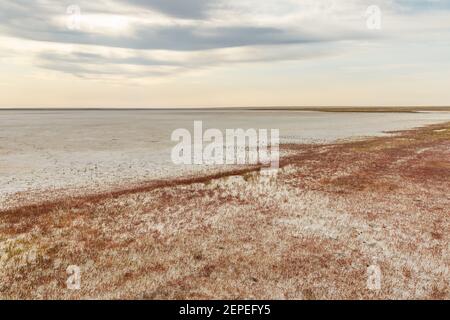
point(311, 233)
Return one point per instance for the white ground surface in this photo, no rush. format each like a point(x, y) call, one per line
point(94, 150)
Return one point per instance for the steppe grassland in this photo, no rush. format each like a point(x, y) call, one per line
point(311, 233)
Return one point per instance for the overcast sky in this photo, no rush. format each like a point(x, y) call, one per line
point(181, 53)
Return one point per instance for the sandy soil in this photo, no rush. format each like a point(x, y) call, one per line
point(332, 212)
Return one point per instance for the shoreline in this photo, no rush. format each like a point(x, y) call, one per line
point(205, 175)
point(333, 210)
point(202, 176)
point(92, 152)
point(337, 109)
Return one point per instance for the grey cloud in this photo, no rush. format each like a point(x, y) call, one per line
point(174, 37)
point(199, 38)
point(98, 59)
point(86, 64)
point(94, 69)
point(190, 9)
point(32, 20)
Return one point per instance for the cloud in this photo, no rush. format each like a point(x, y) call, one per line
point(186, 9)
point(39, 22)
point(422, 5)
point(127, 36)
point(126, 63)
point(178, 38)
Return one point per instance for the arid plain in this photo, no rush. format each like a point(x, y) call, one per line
point(334, 209)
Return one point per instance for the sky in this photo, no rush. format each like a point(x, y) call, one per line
point(219, 53)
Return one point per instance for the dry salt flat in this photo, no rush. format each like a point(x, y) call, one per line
point(48, 152)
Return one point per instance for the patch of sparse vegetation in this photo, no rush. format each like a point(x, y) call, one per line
point(311, 233)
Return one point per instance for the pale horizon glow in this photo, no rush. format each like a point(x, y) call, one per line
point(223, 53)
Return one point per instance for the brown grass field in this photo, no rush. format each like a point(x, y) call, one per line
point(310, 233)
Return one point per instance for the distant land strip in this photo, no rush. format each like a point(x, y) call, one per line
point(364, 109)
